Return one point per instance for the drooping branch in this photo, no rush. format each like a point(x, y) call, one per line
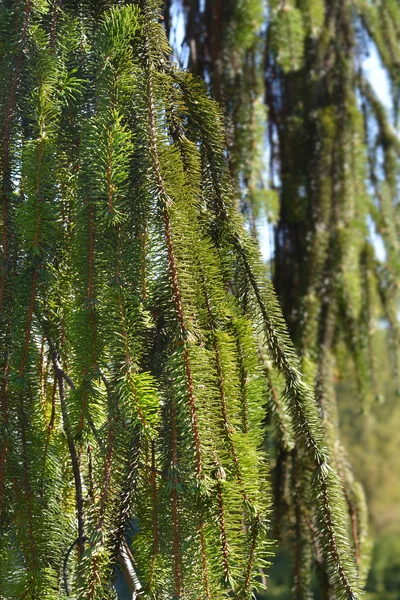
point(72, 449)
point(61, 376)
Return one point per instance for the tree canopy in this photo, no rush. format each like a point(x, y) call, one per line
point(156, 418)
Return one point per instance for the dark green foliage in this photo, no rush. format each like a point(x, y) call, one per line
point(141, 338)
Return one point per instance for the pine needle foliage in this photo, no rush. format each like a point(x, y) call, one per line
point(141, 337)
point(311, 146)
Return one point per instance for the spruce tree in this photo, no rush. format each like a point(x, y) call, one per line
point(142, 344)
point(293, 73)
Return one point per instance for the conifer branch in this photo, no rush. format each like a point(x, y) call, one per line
point(155, 525)
point(71, 446)
point(175, 503)
point(31, 552)
point(5, 162)
point(4, 425)
point(204, 562)
point(165, 204)
point(301, 402)
point(139, 272)
point(254, 533)
point(224, 539)
point(243, 376)
point(227, 427)
point(50, 426)
point(77, 541)
point(60, 377)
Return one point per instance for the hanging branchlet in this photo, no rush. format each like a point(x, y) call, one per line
point(333, 155)
point(152, 300)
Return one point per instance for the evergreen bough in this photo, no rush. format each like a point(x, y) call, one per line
point(141, 339)
point(311, 146)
